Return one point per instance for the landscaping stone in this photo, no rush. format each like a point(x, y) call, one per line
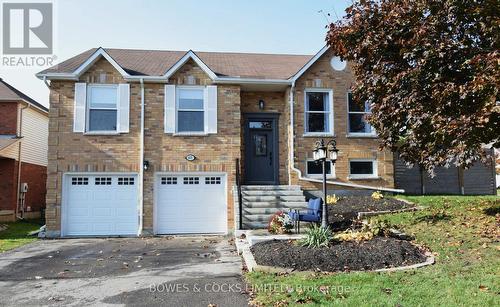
point(348, 208)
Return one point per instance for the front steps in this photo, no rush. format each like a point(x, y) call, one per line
point(261, 202)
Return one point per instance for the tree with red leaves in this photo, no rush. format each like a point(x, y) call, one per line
point(430, 71)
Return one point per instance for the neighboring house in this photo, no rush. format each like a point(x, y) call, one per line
point(24, 126)
point(145, 141)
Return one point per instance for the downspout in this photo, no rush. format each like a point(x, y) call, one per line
point(299, 172)
point(19, 163)
point(141, 163)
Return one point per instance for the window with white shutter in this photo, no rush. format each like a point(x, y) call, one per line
point(190, 110)
point(101, 108)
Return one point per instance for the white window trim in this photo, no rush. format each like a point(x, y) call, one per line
point(372, 134)
point(364, 176)
point(330, 117)
point(189, 133)
point(331, 175)
point(87, 110)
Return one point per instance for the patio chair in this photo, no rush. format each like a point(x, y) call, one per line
point(311, 214)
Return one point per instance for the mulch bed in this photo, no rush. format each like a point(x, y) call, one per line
point(347, 208)
point(378, 253)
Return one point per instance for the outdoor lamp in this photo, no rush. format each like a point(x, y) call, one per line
point(319, 152)
point(261, 104)
point(146, 165)
point(333, 151)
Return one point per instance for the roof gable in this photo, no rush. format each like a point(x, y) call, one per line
point(10, 93)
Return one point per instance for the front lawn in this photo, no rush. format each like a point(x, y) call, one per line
point(16, 234)
point(462, 232)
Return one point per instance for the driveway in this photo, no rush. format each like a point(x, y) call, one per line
point(181, 271)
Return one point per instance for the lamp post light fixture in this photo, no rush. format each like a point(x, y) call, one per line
point(324, 153)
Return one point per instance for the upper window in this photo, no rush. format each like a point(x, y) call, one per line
point(362, 169)
point(357, 117)
point(190, 110)
point(319, 112)
point(315, 169)
point(102, 107)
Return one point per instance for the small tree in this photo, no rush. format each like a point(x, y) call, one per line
point(430, 70)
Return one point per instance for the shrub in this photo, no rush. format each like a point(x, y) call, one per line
point(377, 195)
point(317, 236)
point(280, 223)
point(332, 199)
point(368, 230)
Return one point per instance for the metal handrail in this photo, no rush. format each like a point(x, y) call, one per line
point(240, 195)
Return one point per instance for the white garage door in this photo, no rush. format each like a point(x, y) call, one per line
point(191, 204)
point(101, 205)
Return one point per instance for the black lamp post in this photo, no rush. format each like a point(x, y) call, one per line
point(322, 153)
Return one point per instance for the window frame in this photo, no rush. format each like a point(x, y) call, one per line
point(330, 175)
point(178, 89)
point(88, 108)
point(374, 175)
point(373, 133)
point(331, 131)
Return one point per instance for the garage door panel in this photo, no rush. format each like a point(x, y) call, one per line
point(79, 212)
point(99, 205)
point(102, 212)
point(183, 207)
point(79, 195)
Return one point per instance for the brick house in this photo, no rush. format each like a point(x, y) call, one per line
point(147, 142)
point(23, 154)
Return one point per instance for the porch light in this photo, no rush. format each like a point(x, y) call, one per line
point(146, 165)
point(261, 104)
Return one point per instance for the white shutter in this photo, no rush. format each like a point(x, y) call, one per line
point(123, 107)
point(169, 120)
point(211, 109)
point(79, 107)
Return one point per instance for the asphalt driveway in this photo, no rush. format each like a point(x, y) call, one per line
point(166, 271)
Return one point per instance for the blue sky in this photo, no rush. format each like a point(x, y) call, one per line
point(272, 26)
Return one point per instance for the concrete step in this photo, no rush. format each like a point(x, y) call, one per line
point(276, 204)
point(258, 217)
point(270, 188)
point(259, 211)
point(282, 198)
point(254, 225)
point(272, 193)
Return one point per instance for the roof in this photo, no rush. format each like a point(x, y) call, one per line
point(10, 93)
point(223, 64)
point(6, 141)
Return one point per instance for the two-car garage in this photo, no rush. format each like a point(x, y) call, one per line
point(108, 204)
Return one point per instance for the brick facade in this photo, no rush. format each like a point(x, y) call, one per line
point(34, 175)
point(8, 118)
point(321, 75)
point(70, 151)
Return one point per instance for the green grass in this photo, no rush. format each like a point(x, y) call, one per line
point(16, 234)
point(461, 231)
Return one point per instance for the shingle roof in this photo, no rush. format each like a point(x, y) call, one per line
point(157, 62)
point(10, 93)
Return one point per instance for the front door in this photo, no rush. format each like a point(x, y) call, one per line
point(261, 149)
